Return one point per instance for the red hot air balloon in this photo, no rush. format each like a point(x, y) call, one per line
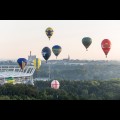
point(106, 46)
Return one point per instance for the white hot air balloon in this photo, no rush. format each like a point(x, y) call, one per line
point(55, 84)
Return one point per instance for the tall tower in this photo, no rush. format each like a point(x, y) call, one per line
point(31, 58)
point(30, 53)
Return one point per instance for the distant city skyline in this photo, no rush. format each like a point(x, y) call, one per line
point(19, 37)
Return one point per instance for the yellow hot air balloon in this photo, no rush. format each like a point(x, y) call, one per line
point(49, 32)
point(37, 63)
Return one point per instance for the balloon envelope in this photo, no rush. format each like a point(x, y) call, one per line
point(22, 62)
point(106, 46)
point(37, 63)
point(86, 41)
point(49, 32)
point(46, 53)
point(55, 84)
point(56, 50)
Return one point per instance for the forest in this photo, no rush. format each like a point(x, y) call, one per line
point(78, 71)
point(69, 90)
point(82, 80)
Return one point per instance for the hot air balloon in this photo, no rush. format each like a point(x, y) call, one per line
point(49, 32)
point(106, 46)
point(86, 42)
point(46, 53)
point(56, 50)
point(55, 84)
point(37, 63)
point(22, 62)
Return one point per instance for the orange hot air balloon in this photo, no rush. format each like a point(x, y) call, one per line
point(106, 46)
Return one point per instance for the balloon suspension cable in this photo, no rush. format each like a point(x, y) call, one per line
point(86, 49)
point(56, 57)
point(106, 58)
point(36, 73)
point(46, 61)
point(49, 38)
point(21, 69)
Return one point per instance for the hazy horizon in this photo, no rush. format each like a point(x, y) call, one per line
point(19, 37)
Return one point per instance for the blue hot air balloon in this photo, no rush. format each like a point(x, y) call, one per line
point(46, 53)
point(22, 62)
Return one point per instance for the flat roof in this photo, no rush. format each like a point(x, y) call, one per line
point(14, 71)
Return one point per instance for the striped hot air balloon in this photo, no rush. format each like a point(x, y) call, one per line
point(37, 63)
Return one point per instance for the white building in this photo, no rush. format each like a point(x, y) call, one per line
point(21, 76)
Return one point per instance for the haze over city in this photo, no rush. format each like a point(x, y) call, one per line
point(19, 37)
